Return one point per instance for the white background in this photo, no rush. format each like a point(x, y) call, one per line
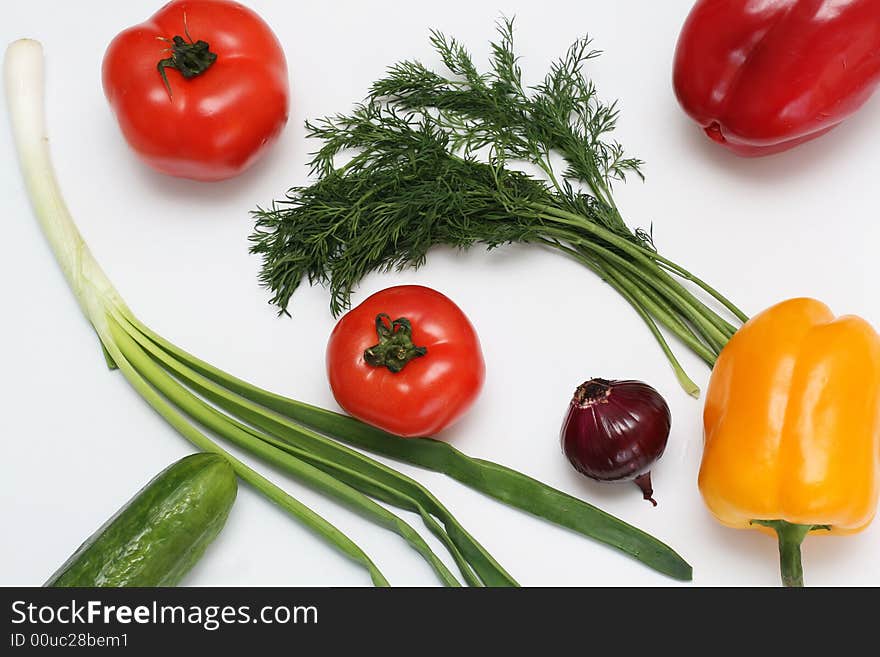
point(78, 442)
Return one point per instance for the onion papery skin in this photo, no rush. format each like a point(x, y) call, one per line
point(615, 430)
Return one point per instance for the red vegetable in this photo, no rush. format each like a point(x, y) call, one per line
point(406, 360)
point(615, 431)
point(762, 76)
point(199, 90)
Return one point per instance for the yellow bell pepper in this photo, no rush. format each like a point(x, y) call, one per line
point(792, 427)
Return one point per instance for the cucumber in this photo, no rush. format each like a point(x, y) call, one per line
point(157, 537)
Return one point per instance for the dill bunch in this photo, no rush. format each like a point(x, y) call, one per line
point(432, 160)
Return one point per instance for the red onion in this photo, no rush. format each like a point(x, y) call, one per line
point(615, 431)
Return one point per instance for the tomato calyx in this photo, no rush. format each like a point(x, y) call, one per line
point(395, 347)
point(190, 58)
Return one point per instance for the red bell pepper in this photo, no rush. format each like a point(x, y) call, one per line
point(762, 76)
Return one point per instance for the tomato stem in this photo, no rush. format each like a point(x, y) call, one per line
point(395, 347)
point(189, 58)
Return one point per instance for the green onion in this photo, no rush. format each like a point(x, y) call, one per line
point(99, 300)
point(302, 440)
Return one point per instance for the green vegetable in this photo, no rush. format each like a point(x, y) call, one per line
point(192, 396)
point(433, 163)
point(291, 420)
point(157, 537)
point(110, 317)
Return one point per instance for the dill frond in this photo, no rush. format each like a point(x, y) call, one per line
point(433, 161)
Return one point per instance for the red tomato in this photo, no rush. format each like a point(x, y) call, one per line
point(763, 76)
point(225, 102)
point(408, 383)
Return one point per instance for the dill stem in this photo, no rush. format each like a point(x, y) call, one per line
point(647, 305)
point(547, 167)
point(657, 311)
point(667, 287)
point(688, 332)
point(715, 294)
point(573, 219)
point(629, 290)
point(684, 380)
point(719, 329)
point(663, 303)
point(724, 330)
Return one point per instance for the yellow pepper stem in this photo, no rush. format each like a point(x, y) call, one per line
point(790, 538)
